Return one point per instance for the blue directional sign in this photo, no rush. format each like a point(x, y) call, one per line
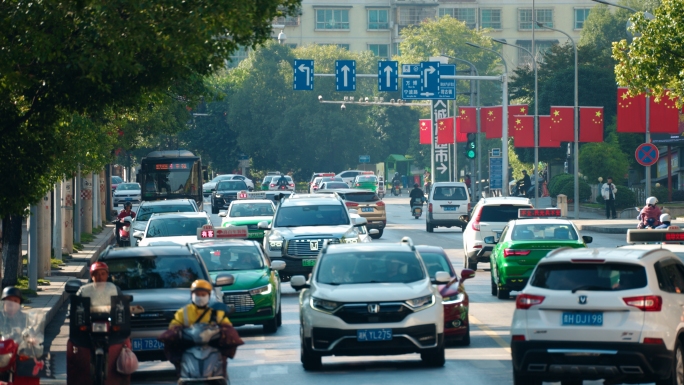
point(364, 158)
point(495, 172)
point(447, 87)
point(345, 75)
point(410, 87)
point(388, 76)
point(303, 75)
point(429, 79)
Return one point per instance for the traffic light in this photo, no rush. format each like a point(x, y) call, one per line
point(471, 147)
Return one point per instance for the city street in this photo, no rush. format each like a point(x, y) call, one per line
point(274, 357)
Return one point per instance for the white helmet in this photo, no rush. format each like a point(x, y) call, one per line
point(665, 217)
point(651, 201)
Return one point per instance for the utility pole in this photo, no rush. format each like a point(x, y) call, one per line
point(68, 216)
point(96, 200)
point(78, 207)
point(87, 199)
point(57, 224)
point(32, 265)
point(43, 234)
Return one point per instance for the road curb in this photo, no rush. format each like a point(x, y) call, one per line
point(605, 230)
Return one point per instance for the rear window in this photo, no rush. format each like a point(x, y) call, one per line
point(360, 197)
point(231, 185)
point(589, 276)
point(168, 272)
point(335, 185)
point(117, 180)
point(145, 212)
point(364, 179)
point(175, 227)
point(544, 232)
point(501, 213)
point(449, 193)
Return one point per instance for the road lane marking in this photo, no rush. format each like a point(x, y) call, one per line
point(491, 333)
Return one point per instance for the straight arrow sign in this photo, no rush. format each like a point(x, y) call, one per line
point(345, 75)
point(388, 76)
point(345, 69)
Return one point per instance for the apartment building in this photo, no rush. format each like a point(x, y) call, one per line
point(375, 25)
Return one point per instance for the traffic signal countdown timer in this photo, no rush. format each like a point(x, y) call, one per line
point(471, 148)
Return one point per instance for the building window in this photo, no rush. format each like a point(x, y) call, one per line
point(540, 46)
point(378, 19)
point(467, 15)
point(238, 56)
point(288, 21)
point(396, 49)
point(409, 16)
point(490, 18)
point(379, 50)
point(544, 16)
point(581, 15)
point(332, 19)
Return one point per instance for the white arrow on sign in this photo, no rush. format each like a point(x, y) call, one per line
point(427, 93)
point(442, 168)
point(345, 69)
point(306, 69)
point(430, 70)
point(388, 72)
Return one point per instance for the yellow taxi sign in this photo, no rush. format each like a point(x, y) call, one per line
point(671, 234)
point(230, 232)
point(251, 195)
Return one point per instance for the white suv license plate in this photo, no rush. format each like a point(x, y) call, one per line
point(364, 335)
point(583, 319)
point(450, 208)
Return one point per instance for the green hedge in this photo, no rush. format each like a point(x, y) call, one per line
point(569, 190)
point(624, 198)
point(558, 182)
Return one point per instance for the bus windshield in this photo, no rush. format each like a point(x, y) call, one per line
point(176, 179)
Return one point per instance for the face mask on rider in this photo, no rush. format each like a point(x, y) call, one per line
point(200, 300)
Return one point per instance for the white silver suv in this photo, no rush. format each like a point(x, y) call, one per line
point(448, 205)
point(612, 314)
point(370, 299)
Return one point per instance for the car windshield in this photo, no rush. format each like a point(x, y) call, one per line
point(435, 262)
point(589, 276)
point(128, 186)
point(161, 272)
point(232, 185)
point(369, 267)
point(501, 213)
point(331, 178)
point(360, 197)
point(544, 232)
point(317, 180)
point(251, 210)
point(312, 215)
point(231, 257)
point(335, 185)
point(219, 178)
point(450, 193)
point(366, 179)
point(145, 212)
point(267, 179)
point(117, 180)
point(175, 227)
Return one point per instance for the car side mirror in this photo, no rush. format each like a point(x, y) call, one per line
point(278, 265)
point(373, 231)
point(587, 239)
point(298, 282)
point(264, 225)
point(360, 221)
point(490, 240)
point(72, 286)
point(138, 234)
point(224, 280)
point(442, 277)
point(222, 214)
point(467, 274)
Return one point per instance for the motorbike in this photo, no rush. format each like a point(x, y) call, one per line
point(22, 360)
point(123, 235)
point(96, 327)
point(202, 361)
point(396, 189)
point(417, 207)
point(381, 189)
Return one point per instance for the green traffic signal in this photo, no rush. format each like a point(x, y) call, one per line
point(470, 154)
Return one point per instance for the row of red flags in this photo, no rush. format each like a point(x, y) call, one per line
point(559, 126)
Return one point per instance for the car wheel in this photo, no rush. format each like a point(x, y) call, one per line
point(429, 228)
point(311, 360)
point(503, 294)
point(470, 264)
point(677, 372)
point(519, 379)
point(279, 316)
point(271, 326)
point(465, 341)
point(378, 235)
point(495, 289)
point(434, 357)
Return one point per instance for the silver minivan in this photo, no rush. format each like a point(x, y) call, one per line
point(448, 205)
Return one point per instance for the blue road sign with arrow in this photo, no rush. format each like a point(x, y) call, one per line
point(388, 76)
point(345, 75)
point(303, 75)
point(429, 79)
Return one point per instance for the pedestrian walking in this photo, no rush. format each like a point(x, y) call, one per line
point(608, 191)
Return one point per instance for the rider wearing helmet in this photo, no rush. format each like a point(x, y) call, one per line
point(650, 214)
point(416, 194)
point(126, 212)
point(664, 221)
point(199, 310)
point(13, 321)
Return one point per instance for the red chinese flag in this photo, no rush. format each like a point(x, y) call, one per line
point(490, 121)
point(514, 110)
point(445, 131)
point(461, 137)
point(591, 124)
point(523, 126)
point(468, 118)
point(425, 131)
point(545, 129)
point(664, 115)
point(631, 112)
point(563, 124)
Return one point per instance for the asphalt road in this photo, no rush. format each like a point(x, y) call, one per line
point(274, 358)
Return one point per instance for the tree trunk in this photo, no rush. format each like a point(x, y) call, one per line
point(11, 249)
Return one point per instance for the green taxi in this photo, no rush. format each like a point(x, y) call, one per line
point(522, 244)
point(247, 211)
point(365, 182)
point(255, 292)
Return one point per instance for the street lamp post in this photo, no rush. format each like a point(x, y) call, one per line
point(504, 122)
point(536, 119)
point(576, 109)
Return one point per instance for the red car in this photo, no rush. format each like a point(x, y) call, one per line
point(116, 180)
point(454, 296)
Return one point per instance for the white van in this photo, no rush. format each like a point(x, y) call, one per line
point(448, 205)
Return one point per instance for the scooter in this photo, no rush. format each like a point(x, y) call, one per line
point(202, 362)
point(381, 189)
point(396, 189)
point(123, 236)
point(22, 361)
point(417, 207)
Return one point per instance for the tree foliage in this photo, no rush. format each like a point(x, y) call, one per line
point(604, 160)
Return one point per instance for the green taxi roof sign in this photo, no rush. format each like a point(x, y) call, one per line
point(671, 234)
point(231, 232)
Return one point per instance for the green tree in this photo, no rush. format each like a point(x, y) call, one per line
point(603, 160)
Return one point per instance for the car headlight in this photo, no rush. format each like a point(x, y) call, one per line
point(421, 302)
point(351, 236)
point(323, 305)
point(275, 241)
point(263, 290)
point(217, 195)
point(452, 299)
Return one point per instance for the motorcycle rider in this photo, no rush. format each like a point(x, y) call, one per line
point(14, 320)
point(282, 181)
point(664, 221)
point(396, 181)
point(524, 184)
point(126, 212)
point(650, 214)
point(416, 195)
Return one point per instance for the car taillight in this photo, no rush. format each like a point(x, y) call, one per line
point(469, 207)
point(357, 185)
point(526, 301)
point(351, 204)
point(518, 337)
point(291, 184)
point(645, 302)
point(515, 253)
point(272, 185)
point(430, 208)
point(654, 341)
point(476, 220)
point(380, 204)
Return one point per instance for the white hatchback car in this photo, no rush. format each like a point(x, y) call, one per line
point(448, 205)
point(612, 314)
point(172, 228)
point(370, 299)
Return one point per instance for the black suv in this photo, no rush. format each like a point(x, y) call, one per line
point(226, 192)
